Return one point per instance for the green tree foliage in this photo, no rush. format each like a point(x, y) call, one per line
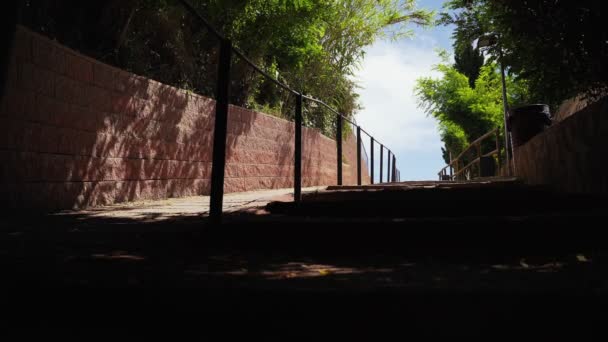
point(559, 47)
point(468, 61)
point(465, 113)
point(311, 45)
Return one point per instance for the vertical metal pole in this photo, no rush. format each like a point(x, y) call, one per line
point(358, 155)
point(394, 168)
point(506, 111)
point(479, 158)
point(297, 174)
point(498, 151)
point(339, 142)
point(220, 132)
point(381, 160)
point(451, 168)
point(388, 167)
point(371, 148)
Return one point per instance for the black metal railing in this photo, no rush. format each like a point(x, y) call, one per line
point(221, 120)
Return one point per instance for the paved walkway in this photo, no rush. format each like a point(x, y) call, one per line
point(160, 210)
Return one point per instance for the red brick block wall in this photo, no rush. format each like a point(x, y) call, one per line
point(570, 156)
point(80, 133)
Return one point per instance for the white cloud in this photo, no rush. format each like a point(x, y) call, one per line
point(388, 76)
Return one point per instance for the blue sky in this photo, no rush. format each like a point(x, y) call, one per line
point(387, 77)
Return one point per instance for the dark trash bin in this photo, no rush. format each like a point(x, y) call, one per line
point(527, 121)
point(487, 167)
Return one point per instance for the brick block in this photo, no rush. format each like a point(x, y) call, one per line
point(48, 55)
point(251, 184)
point(73, 195)
point(13, 136)
point(8, 163)
point(234, 185)
point(122, 146)
point(204, 154)
point(188, 170)
point(31, 137)
point(176, 99)
point(117, 169)
point(13, 103)
point(57, 168)
point(66, 139)
point(70, 91)
point(13, 76)
point(79, 68)
point(144, 169)
point(24, 166)
point(99, 99)
point(128, 147)
point(89, 120)
point(86, 168)
point(134, 107)
point(22, 44)
point(86, 143)
point(101, 193)
point(118, 103)
point(76, 142)
point(205, 168)
point(205, 124)
point(132, 85)
point(145, 190)
point(33, 195)
point(49, 139)
point(241, 114)
point(110, 123)
point(274, 182)
point(105, 76)
point(201, 186)
point(49, 110)
point(37, 79)
point(232, 171)
point(134, 169)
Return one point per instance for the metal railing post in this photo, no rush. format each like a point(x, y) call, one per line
point(381, 160)
point(339, 149)
point(358, 155)
point(498, 151)
point(394, 168)
point(372, 159)
point(479, 158)
point(220, 132)
point(297, 174)
point(388, 167)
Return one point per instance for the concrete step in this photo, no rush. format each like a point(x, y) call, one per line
point(499, 216)
point(472, 235)
point(443, 200)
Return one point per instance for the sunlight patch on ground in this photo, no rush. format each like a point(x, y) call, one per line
point(161, 210)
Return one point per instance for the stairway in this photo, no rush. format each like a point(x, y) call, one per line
point(485, 257)
point(497, 216)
